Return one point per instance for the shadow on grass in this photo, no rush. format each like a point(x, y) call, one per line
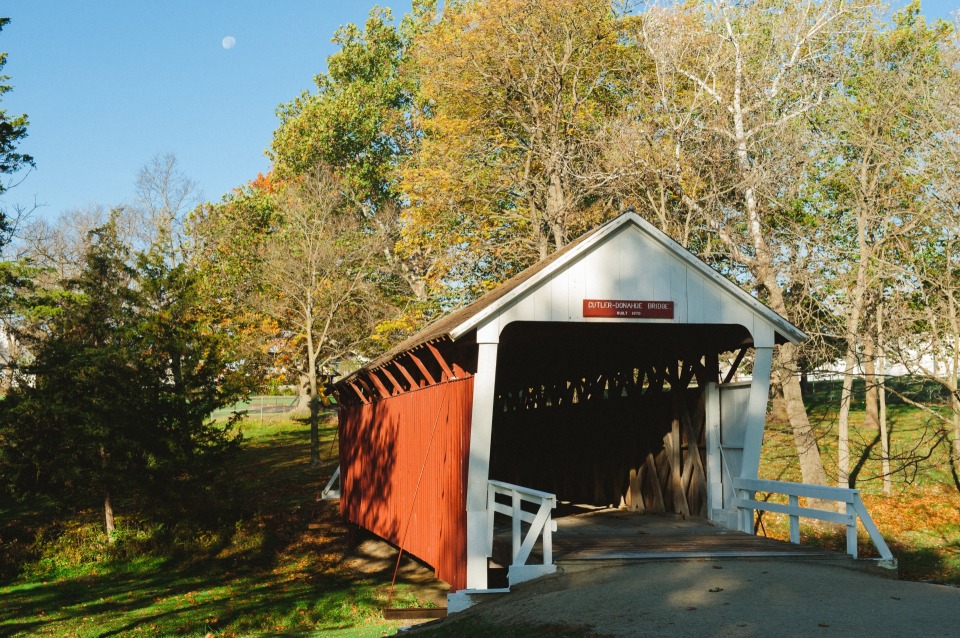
point(929, 564)
point(169, 601)
point(243, 560)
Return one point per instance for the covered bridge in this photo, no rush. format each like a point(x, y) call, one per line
point(592, 377)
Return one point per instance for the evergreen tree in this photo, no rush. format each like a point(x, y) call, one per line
point(116, 402)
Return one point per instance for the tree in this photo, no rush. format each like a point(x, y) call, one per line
point(227, 256)
point(317, 283)
point(879, 163)
point(922, 325)
point(753, 73)
point(514, 98)
point(58, 245)
point(361, 124)
point(13, 129)
point(120, 393)
point(157, 216)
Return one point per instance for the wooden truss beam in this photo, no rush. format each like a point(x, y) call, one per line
point(423, 369)
point(413, 382)
point(447, 372)
point(377, 382)
point(736, 364)
point(363, 397)
point(370, 392)
point(399, 388)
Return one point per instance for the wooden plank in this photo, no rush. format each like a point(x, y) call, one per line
point(711, 369)
point(370, 393)
point(672, 445)
point(363, 397)
point(653, 479)
point(633, 496)
point(780, 508)
point(386, 394)
point(825, 492)
point(699, 371)
point(693, 465)
point(700, 418)
point(663, 474)
point(685, 372)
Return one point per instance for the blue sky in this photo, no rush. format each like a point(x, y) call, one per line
point(109, 84)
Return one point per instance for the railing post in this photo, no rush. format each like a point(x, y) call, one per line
point(872, 531)
point(491, 515)
point(746, 514)
point(852, 530)
point(794, 520)
point(516, 525)
point(548, 540)
point(332, 490)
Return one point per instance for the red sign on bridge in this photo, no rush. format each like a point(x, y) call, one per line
point(628, 309)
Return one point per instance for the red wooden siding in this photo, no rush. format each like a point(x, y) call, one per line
point(388, 448)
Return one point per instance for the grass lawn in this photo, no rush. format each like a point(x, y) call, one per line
point(251, 567)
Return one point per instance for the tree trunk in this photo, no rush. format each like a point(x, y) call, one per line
point(556, 210)
point(303, 396)
point(778, 405)
point(811, 465)
point(882, 402)
point(871, 417)
point(843, 420)
point(952, 384)
point(108, 517)
point(107, 505)
point(314, 419)
point(314, 395)
point(854, 315)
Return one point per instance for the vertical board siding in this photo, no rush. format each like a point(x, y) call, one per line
point(403, 464)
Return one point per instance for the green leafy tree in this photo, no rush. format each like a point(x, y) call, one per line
point(361, 123)
point(228, 240)
point(881, 170)
point(13, 128)
point(294, 274)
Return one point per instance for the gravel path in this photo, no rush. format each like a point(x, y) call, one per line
point(730, 598)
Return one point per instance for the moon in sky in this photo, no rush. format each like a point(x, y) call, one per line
point(229, 42)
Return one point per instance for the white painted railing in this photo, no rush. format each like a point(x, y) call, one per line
point(540, 525)
point(746, 503)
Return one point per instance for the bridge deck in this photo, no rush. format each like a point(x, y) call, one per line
point(595, 534)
